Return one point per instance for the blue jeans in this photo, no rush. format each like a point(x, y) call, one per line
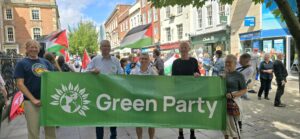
point(100, 132)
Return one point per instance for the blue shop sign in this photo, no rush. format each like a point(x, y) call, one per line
point(249, 21)
point(250, 36)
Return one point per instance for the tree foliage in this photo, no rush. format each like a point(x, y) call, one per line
point(84, 36)
point(195, 3)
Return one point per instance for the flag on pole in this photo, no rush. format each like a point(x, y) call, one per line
point(168, 64)
point(86, 59)
point(16, 106)
point(138, 37)
point(65, 54)
point(57, 42)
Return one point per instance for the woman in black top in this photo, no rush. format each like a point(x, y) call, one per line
point(266, 76)
point(185, 66)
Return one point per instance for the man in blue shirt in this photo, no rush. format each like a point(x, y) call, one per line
point(28, 75)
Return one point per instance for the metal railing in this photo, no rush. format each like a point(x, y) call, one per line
point(8, 62)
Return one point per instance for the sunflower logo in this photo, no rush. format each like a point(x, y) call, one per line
point(71, 99)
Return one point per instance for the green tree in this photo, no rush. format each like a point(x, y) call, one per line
point(84, 36)
point(291, 18)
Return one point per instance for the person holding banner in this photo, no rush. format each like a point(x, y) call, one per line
point(144, 69)
point(105, 64)
point(28, 73)
point(185, 65)
point(236, 87)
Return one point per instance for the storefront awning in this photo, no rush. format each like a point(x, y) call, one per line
point(168, 46)
point(213, 37)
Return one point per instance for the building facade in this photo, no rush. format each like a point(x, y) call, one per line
point(135, 15)
point(25, 20)
point(150, 14)
point(112, 27)
point(256, 27)
point(175, 26)
point(210, 29)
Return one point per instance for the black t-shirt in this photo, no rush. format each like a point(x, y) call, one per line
point(185, 67)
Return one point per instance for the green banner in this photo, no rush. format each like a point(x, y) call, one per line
point(84, 99)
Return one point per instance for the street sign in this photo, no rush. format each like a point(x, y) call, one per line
point(249, 21)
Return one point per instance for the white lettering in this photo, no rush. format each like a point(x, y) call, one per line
point(115, 102)
point(107, 102)
point(126, 104)
point(138, 105)
point(154, 104)
point(181, 106)
point(211, 108)
point(168, 102)
point(200, 105)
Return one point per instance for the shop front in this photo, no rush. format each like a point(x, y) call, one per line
point(209, 43)
point(269, 41)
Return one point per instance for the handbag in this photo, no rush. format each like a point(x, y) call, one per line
point(232, 107)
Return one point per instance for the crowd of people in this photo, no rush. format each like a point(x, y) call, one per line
point(239, 73)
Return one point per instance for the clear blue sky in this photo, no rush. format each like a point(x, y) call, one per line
point(72, 11)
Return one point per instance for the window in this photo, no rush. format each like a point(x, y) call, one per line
point(36, 33)
point(222, 15)
point(10, 34)
point(179, 9)
point(35, 14)
point(168, 12)
point(179, 31)
point(8, 14)
point(154, 14)
point(126, 25)
point(209, 15)
point(199, 13)
point(149, 16)
point(221, 10)
point(168, 34)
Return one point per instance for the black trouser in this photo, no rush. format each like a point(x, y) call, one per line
point(265, 85)
point(279, 92)
point(192, 131)
point(100, 132)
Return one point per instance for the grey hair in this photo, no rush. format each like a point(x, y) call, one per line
point(231, 58)
point(145, 54)
point(266, 54)
point(104, 42)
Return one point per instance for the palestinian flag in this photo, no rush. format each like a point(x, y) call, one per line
point(138, 37)
point(57, 42)
point(168, 64)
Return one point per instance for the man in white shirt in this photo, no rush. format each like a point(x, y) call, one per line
point(105, 64)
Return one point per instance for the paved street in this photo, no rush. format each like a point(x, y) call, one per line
point(261, 121)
